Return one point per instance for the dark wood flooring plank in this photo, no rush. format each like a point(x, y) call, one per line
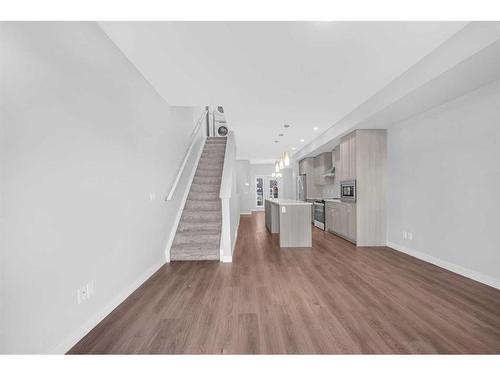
point(331, 298)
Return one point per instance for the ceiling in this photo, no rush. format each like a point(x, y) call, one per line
point(267, 74)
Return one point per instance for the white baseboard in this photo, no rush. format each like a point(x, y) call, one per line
point(257, 209)
point(471, 274)
point(227, 259)
point(79, 333)
point(177, 219)
point(246, 213)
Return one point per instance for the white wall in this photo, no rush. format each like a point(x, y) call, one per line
point(246, 173)
point(84, 141)
point(444, 184)
point(244, 186)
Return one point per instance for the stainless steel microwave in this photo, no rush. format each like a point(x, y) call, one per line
point(348, 191)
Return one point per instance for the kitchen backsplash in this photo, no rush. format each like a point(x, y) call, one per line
point(331, 191)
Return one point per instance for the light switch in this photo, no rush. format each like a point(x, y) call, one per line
point(283, 209)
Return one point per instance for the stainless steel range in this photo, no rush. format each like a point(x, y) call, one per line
point(319, 214)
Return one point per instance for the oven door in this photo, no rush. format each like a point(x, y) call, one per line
point(319, 215)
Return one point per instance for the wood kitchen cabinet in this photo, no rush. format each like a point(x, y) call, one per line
point(330, 208)
point(341, 219)
point(361, 156)
point(328, 217)
point(349, 214)
point(348, 157)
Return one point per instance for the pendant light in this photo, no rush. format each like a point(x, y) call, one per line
point(286, 159)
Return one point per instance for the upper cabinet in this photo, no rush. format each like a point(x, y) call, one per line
point(347, 157)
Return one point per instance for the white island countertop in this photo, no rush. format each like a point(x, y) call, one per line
point(284, 201)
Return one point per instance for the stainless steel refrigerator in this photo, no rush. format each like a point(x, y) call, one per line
point(301, 187)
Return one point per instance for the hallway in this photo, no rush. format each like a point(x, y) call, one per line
point(332, 298)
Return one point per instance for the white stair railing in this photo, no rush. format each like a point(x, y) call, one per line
point(193, 137)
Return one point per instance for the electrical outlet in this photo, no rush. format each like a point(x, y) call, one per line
point(283, 209)
point(85, 292)
point(81, 294)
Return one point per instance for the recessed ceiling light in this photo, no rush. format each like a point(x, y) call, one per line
point(286, 126)
point(293, 148)
point(302, 140)
point(315, 128)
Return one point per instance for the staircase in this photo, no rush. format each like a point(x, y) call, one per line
point(199, 230)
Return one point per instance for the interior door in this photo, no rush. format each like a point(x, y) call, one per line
point(259, 191)
point(266, 187)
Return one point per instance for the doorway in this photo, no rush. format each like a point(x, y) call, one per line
point(266, 187)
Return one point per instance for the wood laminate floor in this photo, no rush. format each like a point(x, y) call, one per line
point(333, 298)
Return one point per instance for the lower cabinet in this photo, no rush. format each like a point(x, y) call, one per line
point(350, 219)
point(328, 217)
point(340, 219)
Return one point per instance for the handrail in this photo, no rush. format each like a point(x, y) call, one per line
point(194, 133)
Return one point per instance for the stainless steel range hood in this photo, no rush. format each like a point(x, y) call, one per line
point(330, 172)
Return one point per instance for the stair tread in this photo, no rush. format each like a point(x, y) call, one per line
point(197, 225)
point(204, 213)
point(198, 215)
point(202, 241)
point(211, 206)
point(196, 247)
point(204, 231)
point(195, 257)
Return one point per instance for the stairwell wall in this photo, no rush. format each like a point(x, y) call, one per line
point(88, 151)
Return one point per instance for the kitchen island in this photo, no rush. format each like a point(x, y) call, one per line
point(291, 219)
